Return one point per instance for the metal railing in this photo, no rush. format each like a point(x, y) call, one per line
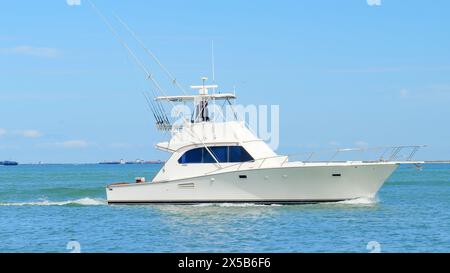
point(386, 154)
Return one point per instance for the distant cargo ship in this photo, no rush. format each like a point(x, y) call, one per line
point(154, 162)
point(9, 163)
point(137, 161)
point(113, 162)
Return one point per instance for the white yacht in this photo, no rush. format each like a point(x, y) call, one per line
point(224, 162)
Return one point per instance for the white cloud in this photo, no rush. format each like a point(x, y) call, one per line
point(334, 143)
point(23, 133)
point(69, 144)
point(72, 144)
point(30, 133)
point(392, 69)
point(45, 52)
point(361, 144)
point(443, 88)
point(404, 93)
point(120, 145)
point(374, 2)
point(73, 2)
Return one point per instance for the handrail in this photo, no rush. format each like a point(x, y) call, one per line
point(394, 156)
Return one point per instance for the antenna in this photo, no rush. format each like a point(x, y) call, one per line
point(213, 63)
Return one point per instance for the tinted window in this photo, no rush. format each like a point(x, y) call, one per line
point(224, 154)
point(192, 156)
point(207, 158)
point(221, 153)
point(239, 154)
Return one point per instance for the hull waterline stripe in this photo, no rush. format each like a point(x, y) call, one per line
point(265, 202)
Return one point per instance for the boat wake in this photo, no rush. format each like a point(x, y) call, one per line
point(364, 201)
point(77, 202)
point(361, 201)
point(99, 202)
point(236, 205)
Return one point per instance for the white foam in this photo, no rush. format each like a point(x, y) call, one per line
point(361, 201)
point(81, 202)
point(237, 205)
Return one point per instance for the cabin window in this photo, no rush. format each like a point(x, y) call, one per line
point(221, 153)
point(193, 156)
point(239, 154)
point(224, 154)
point(207, 157)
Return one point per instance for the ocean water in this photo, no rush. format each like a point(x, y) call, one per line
point(52, 208)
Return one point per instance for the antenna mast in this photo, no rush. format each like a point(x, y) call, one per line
point(213, 63)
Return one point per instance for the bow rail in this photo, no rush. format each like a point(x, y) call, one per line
point(400, 154)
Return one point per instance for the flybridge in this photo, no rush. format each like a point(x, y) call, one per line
point(201, 102)
point(203, 94)
point(225, 96)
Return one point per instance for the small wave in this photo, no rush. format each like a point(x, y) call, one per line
point(361, 201)
point(78, 202)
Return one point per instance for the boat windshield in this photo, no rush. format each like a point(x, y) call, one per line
point(223, 154)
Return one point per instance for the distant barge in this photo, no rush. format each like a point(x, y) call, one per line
point(9, 163)
point(131, 162)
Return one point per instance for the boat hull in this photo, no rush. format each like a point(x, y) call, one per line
point(286, 185)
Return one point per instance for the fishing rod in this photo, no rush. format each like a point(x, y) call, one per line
point(150, 106)
point(158, 109)
point(151, 54)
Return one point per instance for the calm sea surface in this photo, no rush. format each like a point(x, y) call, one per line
point(44, 207)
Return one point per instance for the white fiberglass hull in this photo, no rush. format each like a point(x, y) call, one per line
point(297, 184)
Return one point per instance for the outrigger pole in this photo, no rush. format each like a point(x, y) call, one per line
point(150, 53)
point(162, 120)
point(157, 110)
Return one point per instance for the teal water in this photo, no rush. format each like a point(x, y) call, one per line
point(44, 207)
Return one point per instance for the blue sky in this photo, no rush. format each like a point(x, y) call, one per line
point(344, 73)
